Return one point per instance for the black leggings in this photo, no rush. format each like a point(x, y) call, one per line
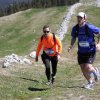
point(46, 60)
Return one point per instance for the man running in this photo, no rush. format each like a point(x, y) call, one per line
point(85, 33)
point(52, 48)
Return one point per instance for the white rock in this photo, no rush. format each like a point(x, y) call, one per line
point(13, 58)
point(33, 54)
point(6, 64)
point(27, 61)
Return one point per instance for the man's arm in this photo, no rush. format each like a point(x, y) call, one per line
point(38, 50)
point(96, 30)
point(98, 42)
point(73, 40)
point(59, 47)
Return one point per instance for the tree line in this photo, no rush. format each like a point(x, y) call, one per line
point(20, 6)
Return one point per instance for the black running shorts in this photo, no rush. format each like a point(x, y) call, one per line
point(86, 58)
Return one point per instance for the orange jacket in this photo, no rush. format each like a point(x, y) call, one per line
point(48, 42)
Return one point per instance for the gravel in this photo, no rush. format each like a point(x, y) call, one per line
point(9, 60)
point(98, 3)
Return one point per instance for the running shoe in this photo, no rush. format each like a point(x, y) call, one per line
point(89, 86)
point(97, 75)
point(49, 83)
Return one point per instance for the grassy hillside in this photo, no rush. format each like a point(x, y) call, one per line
point(19, 33)
point(28, 82)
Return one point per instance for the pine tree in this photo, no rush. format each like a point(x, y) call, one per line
point(18, 6)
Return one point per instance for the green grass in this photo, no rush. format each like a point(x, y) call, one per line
point(17, 36)
point(28, 82)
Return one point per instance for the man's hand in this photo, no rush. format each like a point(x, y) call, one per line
point(98, 47)
point(70, 47)
point(36, 59)
point(72, 43)
point(58, 57)
point(98, 43)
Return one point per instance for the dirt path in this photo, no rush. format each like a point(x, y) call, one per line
point(65, 23)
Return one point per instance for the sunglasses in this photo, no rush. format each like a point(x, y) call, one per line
point(46, 31)
point(79, 17)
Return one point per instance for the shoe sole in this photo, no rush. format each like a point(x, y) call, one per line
point(88, 88)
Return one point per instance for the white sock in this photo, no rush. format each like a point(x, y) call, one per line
point(90, 82)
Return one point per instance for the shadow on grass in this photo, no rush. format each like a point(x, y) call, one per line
point(75, 87)
point(30, 79)
point(37, 89)
point(70, 87)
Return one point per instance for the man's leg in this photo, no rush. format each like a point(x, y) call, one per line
point(85, 63)
point(46, 61)
point(47, 71)
point(87, 70)
point(93, 70)
point(54, 62)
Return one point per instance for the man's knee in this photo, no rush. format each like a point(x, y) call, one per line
point(88, 67)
